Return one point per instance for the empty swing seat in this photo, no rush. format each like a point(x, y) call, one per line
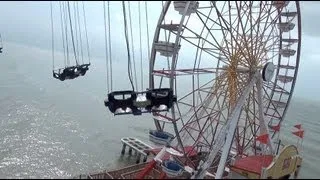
point(57, 75)
point(71, 72)
point(67, 73)
point(122, 105)
point(160, 97)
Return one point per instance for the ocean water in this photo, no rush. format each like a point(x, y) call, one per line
point(53, 129)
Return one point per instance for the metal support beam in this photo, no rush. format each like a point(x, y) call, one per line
point(263, 125)
point(226, 135)
point(234, 118)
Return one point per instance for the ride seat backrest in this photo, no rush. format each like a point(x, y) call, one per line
point(123, 102)
point(161, 96)
point(69, 71)
point(84, 66)
point(56, 75)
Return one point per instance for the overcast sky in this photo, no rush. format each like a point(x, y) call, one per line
point(28, 23)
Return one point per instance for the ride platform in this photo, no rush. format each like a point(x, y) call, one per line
point(283, 166)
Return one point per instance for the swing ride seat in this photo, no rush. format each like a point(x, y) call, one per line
point(67, 73)
point(83, 68)
point(59, 75)
point(71, 72)
point(158, 97)
point(154, 98)
point(123, 103)
point(1, 49)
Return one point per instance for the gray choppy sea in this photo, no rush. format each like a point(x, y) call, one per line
point(51, 129)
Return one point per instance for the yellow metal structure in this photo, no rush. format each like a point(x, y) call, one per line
point(287, 162)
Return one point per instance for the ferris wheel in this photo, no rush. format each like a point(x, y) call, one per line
point(232, 66)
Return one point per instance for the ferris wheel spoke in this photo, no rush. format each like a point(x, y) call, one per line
point(252, 112)
point(189, 94)
point(224, 35)
point(272, 85)
point(256, 37)
point(248, 121)
point(251, 108)
point(215, 92)
point(270, 58)
point(211, 51)
point(258, 24)
point(223, 107)
point(201, 88)
point(243, 27)
point(229, 25)
point(266, 27)
point(237, 133)
point(231, 42)
point(233, 38)
point(203, 39)
point(273, 47)
point(225, 53)
point(262, 15)
point(218, 28)
point(264, 48)
point(204, 137)
point(196, 119)
point(203, 130)
point(216, 95)
point(209, 130)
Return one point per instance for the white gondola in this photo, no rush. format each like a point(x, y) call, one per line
point(289, 41)
point(160, 137)
point(181, 5)
point(285, 79)
point(282, 91)
point(170, 27)
point(289, 14)
point(287, 67)
point(287, 52)
point(172, 168)
point(286, 26)
point(279, 103)
point(165, 48)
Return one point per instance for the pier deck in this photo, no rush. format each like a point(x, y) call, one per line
point(131, 171)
